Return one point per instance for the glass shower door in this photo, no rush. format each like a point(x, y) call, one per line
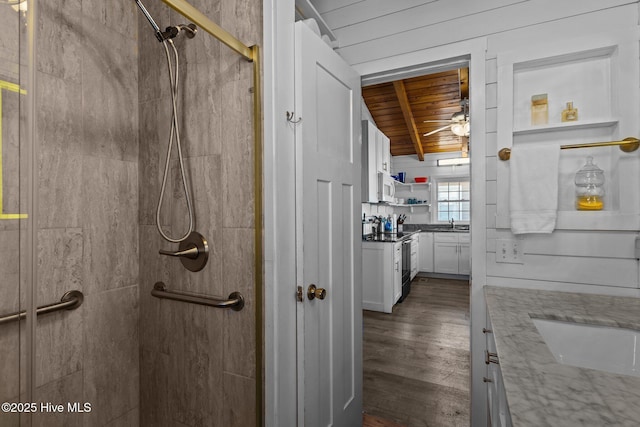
point(14, 226)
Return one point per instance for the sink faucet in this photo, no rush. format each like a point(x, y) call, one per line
point(452, 224)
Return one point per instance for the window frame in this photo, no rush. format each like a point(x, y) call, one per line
point(436, 211)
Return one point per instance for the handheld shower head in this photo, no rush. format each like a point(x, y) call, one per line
point(147, 15)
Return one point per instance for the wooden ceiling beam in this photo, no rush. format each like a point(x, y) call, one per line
point(408, 118)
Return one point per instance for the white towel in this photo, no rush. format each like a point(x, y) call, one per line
point(533, 195)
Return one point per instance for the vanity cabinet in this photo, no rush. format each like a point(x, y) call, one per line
point(381, 275)
point(376, 157)
point(497, 407)
point(451, 253)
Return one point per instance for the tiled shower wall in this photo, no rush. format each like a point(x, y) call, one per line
point(198, 363)
point(87, 132)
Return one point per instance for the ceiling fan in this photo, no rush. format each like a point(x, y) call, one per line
point(459, 122)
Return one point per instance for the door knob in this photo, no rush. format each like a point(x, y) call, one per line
point(314, 292)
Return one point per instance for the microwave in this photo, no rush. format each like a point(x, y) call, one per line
point(386, 188)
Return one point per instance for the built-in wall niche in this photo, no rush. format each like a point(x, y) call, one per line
point(583, 78)
point(599, 74)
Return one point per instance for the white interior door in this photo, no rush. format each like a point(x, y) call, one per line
point(328, 235)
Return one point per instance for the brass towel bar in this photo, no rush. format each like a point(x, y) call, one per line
point(69, 301)
point(235, 301)
point(627, 145)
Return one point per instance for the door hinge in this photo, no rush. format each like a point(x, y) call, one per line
point(300, 294)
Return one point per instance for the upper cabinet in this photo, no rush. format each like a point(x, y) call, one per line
point(598, 74)
point(376, 158)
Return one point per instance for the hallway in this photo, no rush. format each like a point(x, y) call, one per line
point(416, 360)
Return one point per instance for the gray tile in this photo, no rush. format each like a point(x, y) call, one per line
point(243, 19)
point(130, 419)
point(201, 111)
point(10, 271)
point(60, 182)
point(110, 209)
point(154, 140)
point(155, 406)
point(63, 391)
point(153, 268)
point(239, 401)
point(203, 48)
point(59, 335)
point(152, 64)
point(237, 156)
point(10, 366)
point(11, 161)
point(239, 326)
point(120, 16)
point(59, 119)
point(196, 360)
point(60, 39)
point(111, 348)
point(109, 93)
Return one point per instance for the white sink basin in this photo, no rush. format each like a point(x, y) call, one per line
point(597, 347)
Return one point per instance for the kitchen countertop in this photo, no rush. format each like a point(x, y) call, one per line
point(542, 392)
point(388, 237)
point(436, 228)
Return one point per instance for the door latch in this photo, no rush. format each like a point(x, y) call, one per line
point(300, 294)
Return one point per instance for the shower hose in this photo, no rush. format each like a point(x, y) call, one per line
point(175, 131)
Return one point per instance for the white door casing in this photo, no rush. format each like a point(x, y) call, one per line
point(328, 144)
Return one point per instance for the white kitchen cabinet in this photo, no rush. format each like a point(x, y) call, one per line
point(451, 253)
point(425, 253)
point(381, 275)
point(397, 272)
point(415, 254)
point(385, 156)
point(369, 167)
point(376, 158)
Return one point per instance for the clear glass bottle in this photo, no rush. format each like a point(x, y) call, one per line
point(590, 187)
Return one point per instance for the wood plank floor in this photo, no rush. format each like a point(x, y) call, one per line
point(416, 360)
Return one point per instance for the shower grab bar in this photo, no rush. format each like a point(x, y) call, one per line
point(235, 301)
point(69, 301)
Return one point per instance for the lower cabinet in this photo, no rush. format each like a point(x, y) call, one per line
point(451, 253)
point(497, 407)
point(425, 253)
point(381, 275)
point(415, 254)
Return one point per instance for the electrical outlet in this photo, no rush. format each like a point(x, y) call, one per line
point(509, 251)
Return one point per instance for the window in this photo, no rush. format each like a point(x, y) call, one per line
point(453, 200)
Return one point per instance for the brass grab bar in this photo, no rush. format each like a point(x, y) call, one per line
point(69, 301)
point(627, 145)
point(235, 301)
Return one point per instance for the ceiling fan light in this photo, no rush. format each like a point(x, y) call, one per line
point(458, 129)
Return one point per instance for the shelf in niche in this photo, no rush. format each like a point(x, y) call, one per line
point(586, 124)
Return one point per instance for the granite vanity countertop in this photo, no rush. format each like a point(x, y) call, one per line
point(542, 392)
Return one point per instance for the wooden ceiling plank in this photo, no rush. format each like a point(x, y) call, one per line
point(408, 117)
